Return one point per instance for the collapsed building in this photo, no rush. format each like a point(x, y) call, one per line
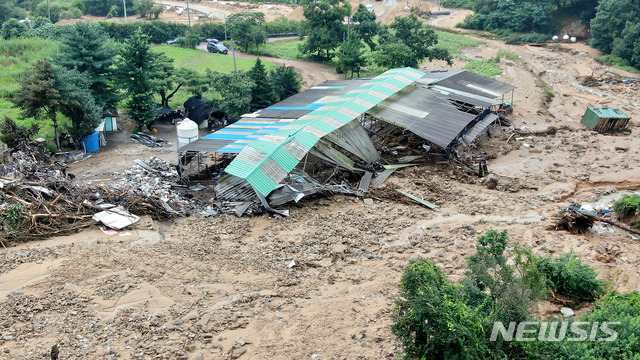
point(342, 136)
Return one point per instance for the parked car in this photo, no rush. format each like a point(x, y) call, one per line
point(215, 46)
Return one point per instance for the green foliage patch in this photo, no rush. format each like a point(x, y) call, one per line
point(627, 205)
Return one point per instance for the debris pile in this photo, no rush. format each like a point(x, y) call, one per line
point(149, 140)
point(158, 179)
point(39, 199)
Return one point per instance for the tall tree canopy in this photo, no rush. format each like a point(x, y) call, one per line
point(408, 44)
point(39, 95)
point(324, 25)
point(365, 25)
point(47, 90)
point(352, 55)
point(610, 21)
point(262, 93)
point(286, 82)
point(85, 49)
point(235, 91)
point(137, 71)
point(246, 29)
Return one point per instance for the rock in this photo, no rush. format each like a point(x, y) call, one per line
point(491, 182)
point(242, 342)
point(368, 201)
point(292, 264)
point(69, 287)
point(316, 357)
point(567, 312)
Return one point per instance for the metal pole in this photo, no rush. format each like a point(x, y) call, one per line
point(233, 51)
point(438, 5)
point(48, 11)
point(124, 3)
point(225, 28)
point(188, 13)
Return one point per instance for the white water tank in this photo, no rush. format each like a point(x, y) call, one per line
point(187, 132)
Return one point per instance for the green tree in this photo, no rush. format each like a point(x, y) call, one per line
point(431, 319)
point(262, 93)
point(170, 80)
point(324, 25)
point(394, 55)
point(611, 20)
point(102, 7)
point(12, 29)
point(54, 9)
point(365, 25)
point(78, 103)
point(39, 95)
point(352, 55)
point(286, 82)
point(9, 10)
point(143, 7)
point(235, 89)
point(246, 29)
point(85, 49)
point(411, 32)
point(137, 68)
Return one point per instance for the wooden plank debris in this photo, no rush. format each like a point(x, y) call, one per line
point(421, 201)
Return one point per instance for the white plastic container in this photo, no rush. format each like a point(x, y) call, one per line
point(187, 132)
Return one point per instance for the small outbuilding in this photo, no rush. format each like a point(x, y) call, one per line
point(605, 120)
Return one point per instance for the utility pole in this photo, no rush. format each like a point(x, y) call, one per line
point(48, 11)
point(188, 13)
point(124, 4)
point(233, 51)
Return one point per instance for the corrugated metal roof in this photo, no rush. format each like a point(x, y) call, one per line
point(309, 100)
point(469, 82)
point(307, 130)
point(425, 113)
point(479, 128)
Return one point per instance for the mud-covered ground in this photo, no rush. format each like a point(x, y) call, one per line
point(321, 283)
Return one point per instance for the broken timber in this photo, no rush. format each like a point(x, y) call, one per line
point(421, 201)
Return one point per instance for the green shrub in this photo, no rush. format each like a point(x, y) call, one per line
point(614, 307)
point(431, 320)
point(568, 276)
point(627, 205)
point(616, 62)
point(15, 216)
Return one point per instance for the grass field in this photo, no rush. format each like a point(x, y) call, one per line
point(16, 57)
point(200, 61)
point(283, 49)
point(455, 42)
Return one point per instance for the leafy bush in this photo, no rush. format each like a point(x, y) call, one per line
point(614, 307)
point(627, 205)
point(616, 62)
point(568, 276)
point(12, 133)
point(432, 321)
point(14, 217)
point(508, 292)
point(12, 29)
